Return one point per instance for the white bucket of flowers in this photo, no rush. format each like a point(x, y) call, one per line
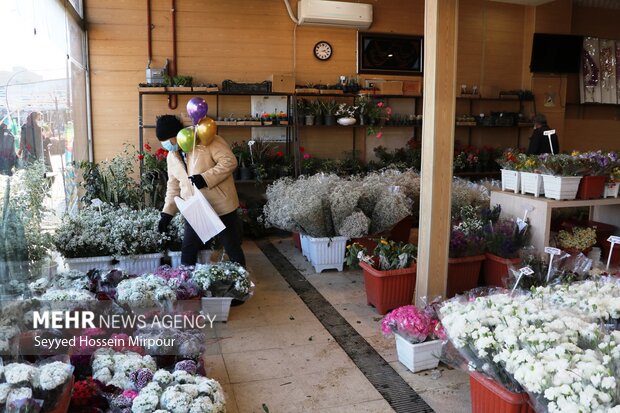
point(511, 180)
point(327, 253)
point(86, 264)
point(611, 190)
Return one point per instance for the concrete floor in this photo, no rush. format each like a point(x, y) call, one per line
point(274, 355)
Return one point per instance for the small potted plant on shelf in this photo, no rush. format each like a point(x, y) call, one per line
point(561, 175)
point(419, 336)
point(599, 165)
point(511, 177)
point(316, 108)
point(346, 114)
point(531, 179)
point(576, 240)
point(613, 183)
point(389, 274)
point(330, 107)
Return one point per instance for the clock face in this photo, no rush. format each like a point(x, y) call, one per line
point(322, 50)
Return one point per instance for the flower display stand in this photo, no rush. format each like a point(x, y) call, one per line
point(591, 187)
point(419, 356)
point(495, 268)
point(511, 180)
point(216, 306)
point(463, 274)
point(62, 406)
point(175, 258)
point(488, 396)
point(88, 263)
point(386, 290)
point(327, 253)
point(140, 264)
point(611, 190)
point(532, 183)
point(561, 187)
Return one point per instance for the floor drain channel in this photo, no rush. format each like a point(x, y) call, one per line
point(394, 389)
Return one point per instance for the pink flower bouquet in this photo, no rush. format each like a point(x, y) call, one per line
point(413, 324)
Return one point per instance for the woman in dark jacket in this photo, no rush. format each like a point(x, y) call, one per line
point(539, 142)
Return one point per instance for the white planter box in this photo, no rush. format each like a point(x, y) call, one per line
point(611, 190)
point(217, 307)
point(420, 356)
point(140, 264)
point(561, 187)
point(175, 258)
point(511, 180)
point(532, 183)
point(88, 263)
point(305, 246)
point(327, 253)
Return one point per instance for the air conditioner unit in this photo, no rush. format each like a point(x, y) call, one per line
point(334, 14)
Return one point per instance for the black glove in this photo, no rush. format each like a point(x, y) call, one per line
point(164, 221)
point(199, 181)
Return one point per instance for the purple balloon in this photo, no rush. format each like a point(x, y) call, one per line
point(197, 109)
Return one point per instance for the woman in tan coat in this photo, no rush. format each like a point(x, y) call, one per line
point(209, 167)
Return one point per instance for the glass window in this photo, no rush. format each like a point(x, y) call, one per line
point(43, 116)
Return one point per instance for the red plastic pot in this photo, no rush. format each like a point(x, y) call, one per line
point(488, 396)
point(386, 290)
point(62, 406)
point(495, 268)
point(297, 240)
point(615, 257)
point(463, 274)
point(591, 187)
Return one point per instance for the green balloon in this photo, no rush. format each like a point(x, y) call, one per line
point(185, 139)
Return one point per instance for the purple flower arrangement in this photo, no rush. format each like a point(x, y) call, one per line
point(598, 162)
point(189, 366)
point(141, 378)
point(463, 244)
point(180, 280)
point(505, 239)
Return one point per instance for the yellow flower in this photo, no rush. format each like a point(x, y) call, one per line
point(574, 153)
point(384, 242)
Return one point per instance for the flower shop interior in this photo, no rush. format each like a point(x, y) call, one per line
point(404, 246)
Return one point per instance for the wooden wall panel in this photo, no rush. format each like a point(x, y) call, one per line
point(242, 40)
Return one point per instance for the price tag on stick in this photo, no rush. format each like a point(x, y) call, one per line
point(522, 271)
point(614, 239)
point(548, 134)
point(552, 253)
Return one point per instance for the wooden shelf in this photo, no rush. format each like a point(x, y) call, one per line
point(486, 174)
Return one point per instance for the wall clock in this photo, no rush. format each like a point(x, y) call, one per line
point(322, 50)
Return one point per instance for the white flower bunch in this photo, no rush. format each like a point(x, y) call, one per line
point(86, 234)
point(146, 291)
point(68, 295)
point(16, 373)
point(19, 393)
point(5, 388)
point(135, 232)
point(553, 352)
point(346, 110)
point(180, 392)
point(54, 374)
point(223, 279)
point(114, 368)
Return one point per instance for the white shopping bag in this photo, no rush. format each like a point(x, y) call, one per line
point(200, 215)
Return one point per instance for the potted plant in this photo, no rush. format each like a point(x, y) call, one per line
point(84, 239)
point(220, 283)
point(346, 114)
point(503, 240)
point(531, 179)
point(301, 111)
point(466, 252)
point(137, 243)
point(612, 185)
point(599, 166)
point(419, 336)
point(561, 175)
point(316, 108)
point(576, 240)
point(389, 274)
point(511, 177)
point(329, 109)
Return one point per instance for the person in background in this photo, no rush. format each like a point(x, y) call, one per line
point(33, 145)
point(539, 142)
point(7, 150)
point(209, 167)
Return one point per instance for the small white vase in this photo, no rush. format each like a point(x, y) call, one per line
point(218, 307)
point(346, 121)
